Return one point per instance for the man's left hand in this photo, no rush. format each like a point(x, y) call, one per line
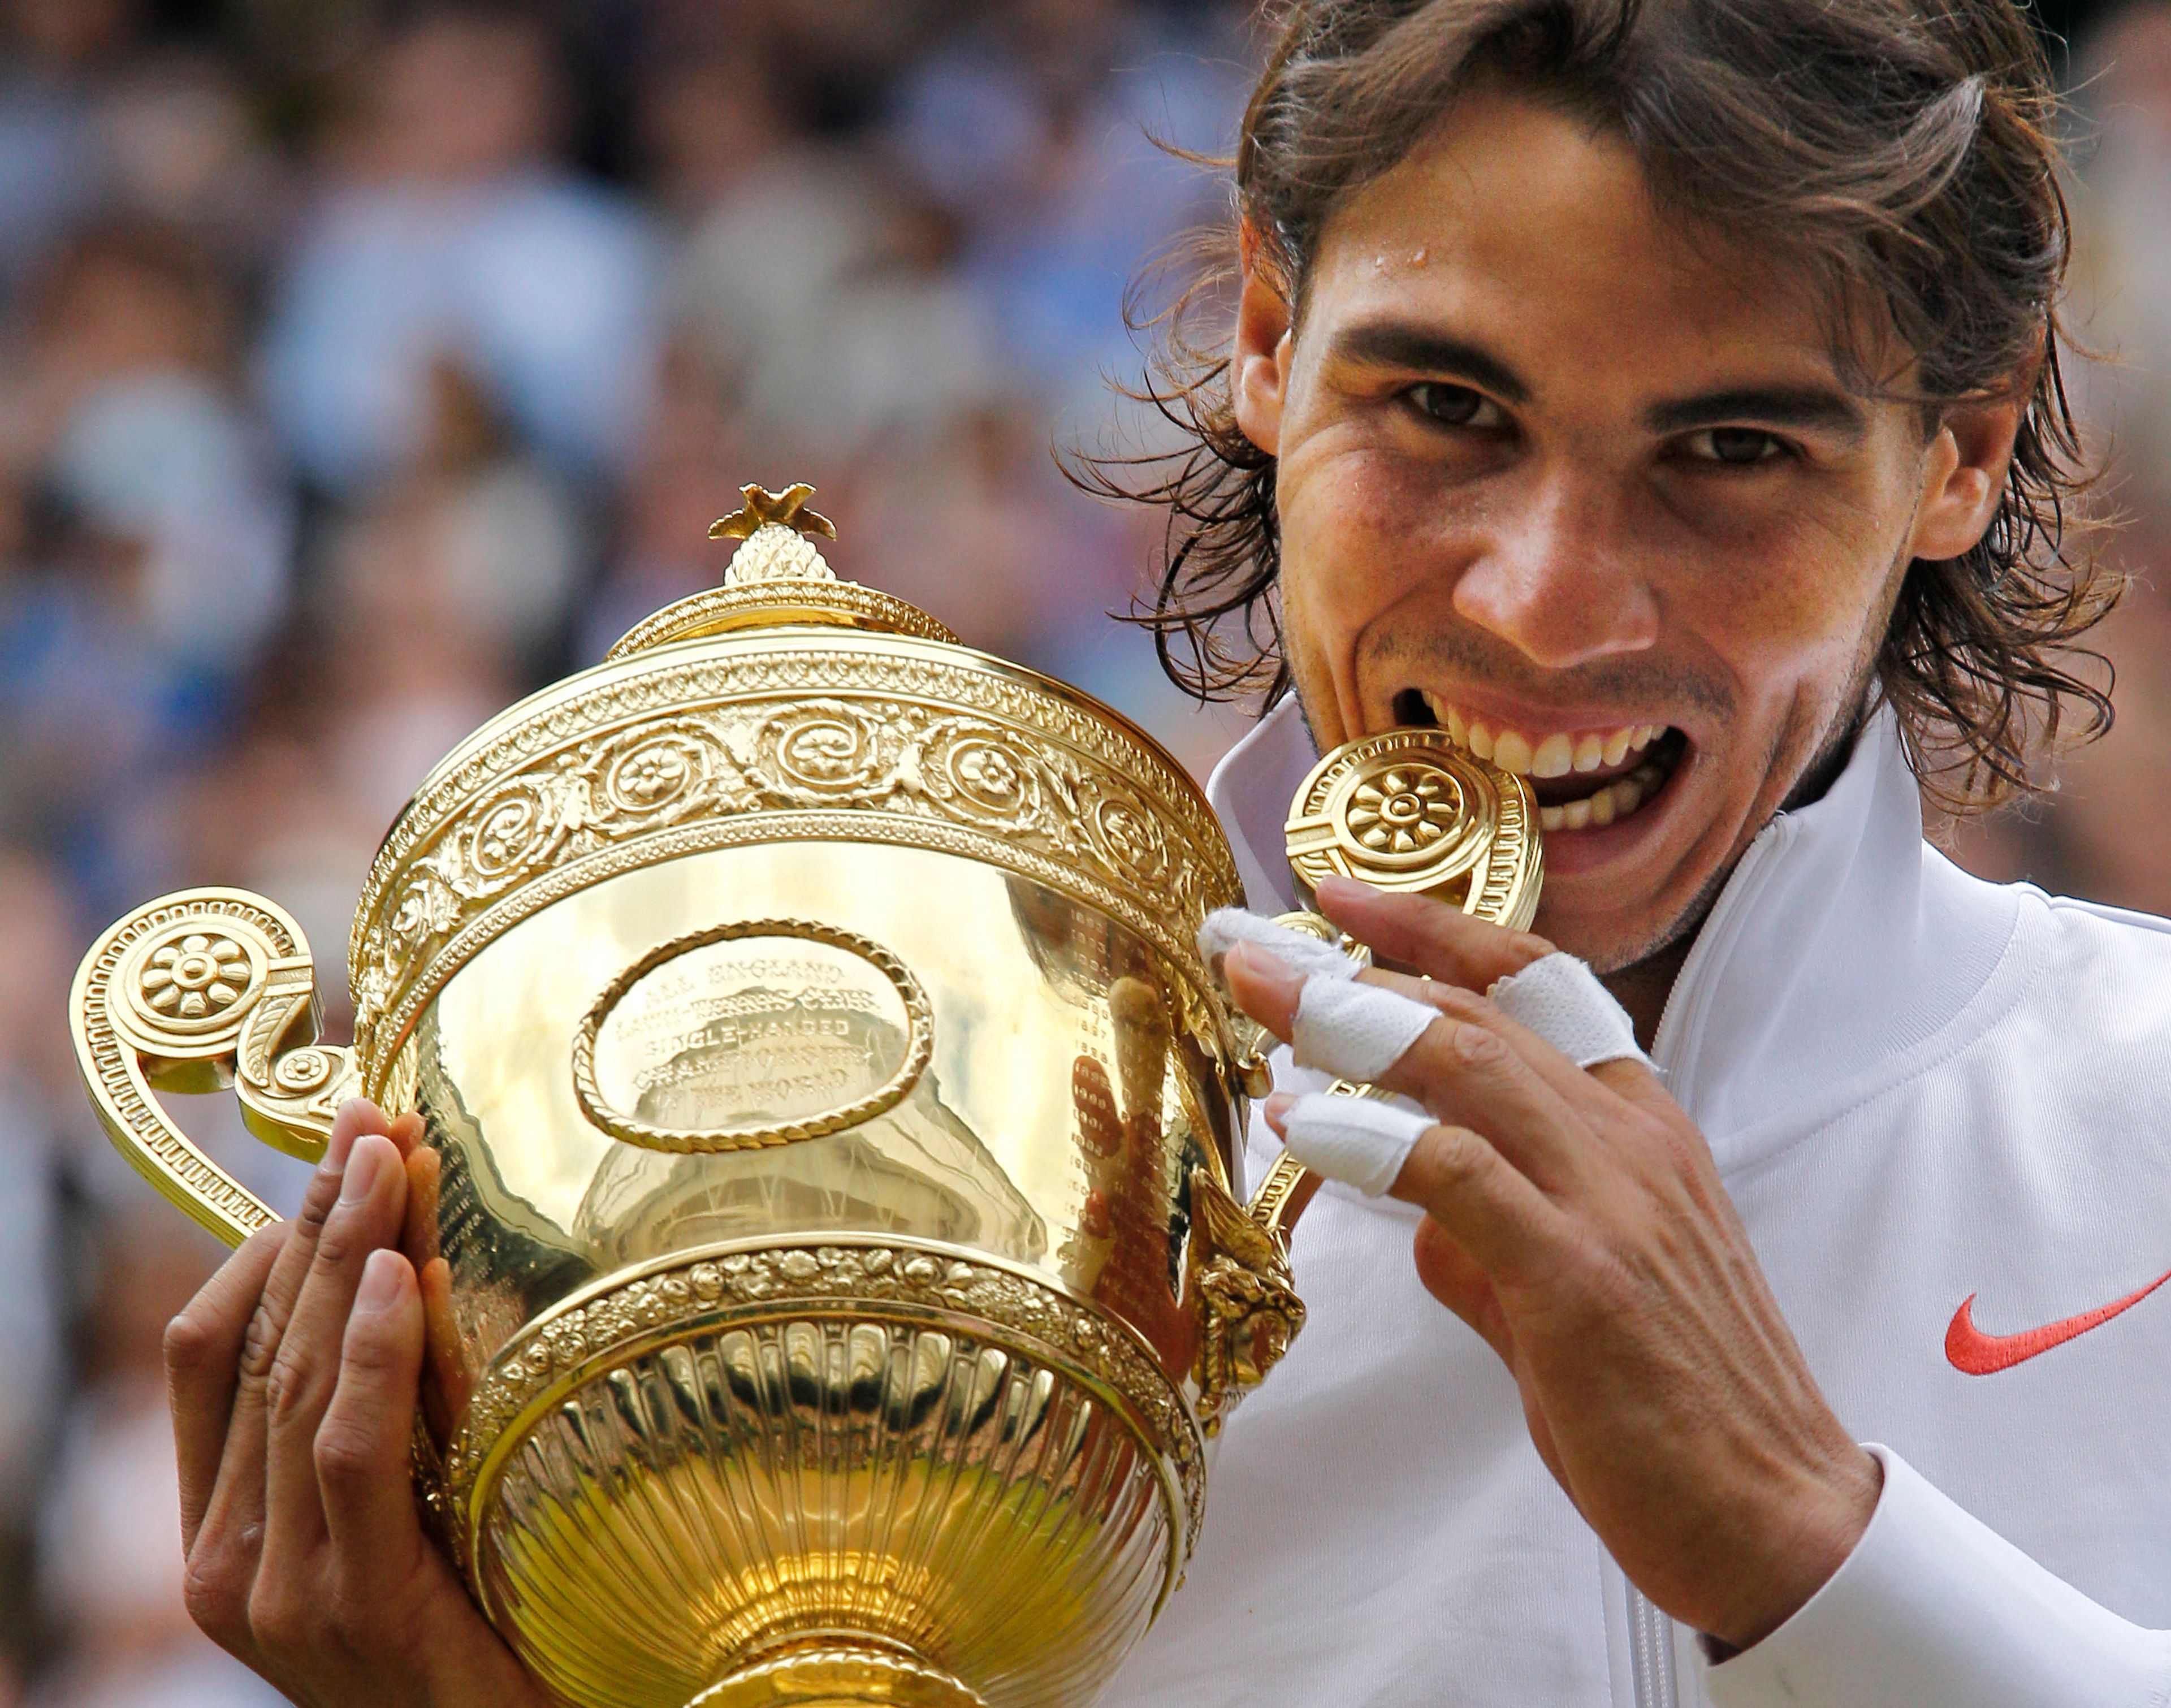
point(1577, 1222)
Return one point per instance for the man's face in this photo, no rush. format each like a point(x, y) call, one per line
point(1588, 489)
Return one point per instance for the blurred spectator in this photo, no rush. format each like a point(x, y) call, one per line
point(692, 461)
point(707, 121)
point(2123, 263)
point(113, 1573)
point(840, 59)
point(821, 288)
point(445, 231)
point(1042, 134)
point(35, 1072)
point(148, 444)
point(413, 671)
point(52, 168)
point(976, 524)
point(503, 542)
point(180, 145)
point(155, 536)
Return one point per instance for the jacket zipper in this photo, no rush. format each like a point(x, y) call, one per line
point(1651, 1653)
point(1651, 1673)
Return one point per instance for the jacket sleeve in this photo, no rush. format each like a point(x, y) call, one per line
point(1934, 1609)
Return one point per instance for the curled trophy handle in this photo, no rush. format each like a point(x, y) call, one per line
point(196, 991)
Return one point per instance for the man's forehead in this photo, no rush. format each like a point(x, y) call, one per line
point(1520, 231)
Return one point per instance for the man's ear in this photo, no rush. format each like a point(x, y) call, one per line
point(1964, 476)
point(1258, 367)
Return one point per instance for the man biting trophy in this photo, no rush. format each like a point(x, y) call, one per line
point(1657, 406)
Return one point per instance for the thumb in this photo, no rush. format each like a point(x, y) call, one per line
point(362, 1446)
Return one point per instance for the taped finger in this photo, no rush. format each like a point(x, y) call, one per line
point(1227, 927)
point(1363, 1142)
point(1559, 998)
point(1356, 1030)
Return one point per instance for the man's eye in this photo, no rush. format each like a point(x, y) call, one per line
point(1736, 446)
point(1455, 405)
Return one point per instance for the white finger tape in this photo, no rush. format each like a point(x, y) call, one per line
point(1227, 927)
point(1559, 998)
point(1358, 1141)
point(1356, 1030)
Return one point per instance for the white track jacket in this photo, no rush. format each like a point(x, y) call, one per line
point(1943, 1108)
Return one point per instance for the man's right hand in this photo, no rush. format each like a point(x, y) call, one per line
point(293, 1376)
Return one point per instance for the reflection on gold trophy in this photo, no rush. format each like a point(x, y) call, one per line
point(825, 1217)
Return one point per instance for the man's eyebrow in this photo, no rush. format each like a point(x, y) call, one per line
point(1814, 409)
point(1397, 343)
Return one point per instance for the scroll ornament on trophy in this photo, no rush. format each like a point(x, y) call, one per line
point(836, 1270)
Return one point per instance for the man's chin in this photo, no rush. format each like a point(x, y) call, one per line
point(1608, 940)
point(1616, 900)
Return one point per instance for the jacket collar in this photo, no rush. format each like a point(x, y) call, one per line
point(1250, 790)
point(1841, 943)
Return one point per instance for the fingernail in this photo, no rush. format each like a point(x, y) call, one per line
point(1264, 965)
point(381, 1282)
point(1279, 1105)
point(1335, 887)
point(360, 1174)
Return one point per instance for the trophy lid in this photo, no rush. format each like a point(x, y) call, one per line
point(777, 578)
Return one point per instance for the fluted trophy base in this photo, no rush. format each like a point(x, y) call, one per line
point(842, 1674)
point(861, 1471)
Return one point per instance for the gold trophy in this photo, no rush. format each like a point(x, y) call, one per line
point(825, 1217)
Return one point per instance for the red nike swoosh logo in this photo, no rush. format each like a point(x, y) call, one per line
point(1972, 1353)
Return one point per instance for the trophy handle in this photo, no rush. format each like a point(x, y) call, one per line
point(1288, 1186)
point(195, 992)
point(1249, 1311)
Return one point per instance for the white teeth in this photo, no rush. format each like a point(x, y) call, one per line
point(1556, 755)
point(1511, 752)
point(1603, 806)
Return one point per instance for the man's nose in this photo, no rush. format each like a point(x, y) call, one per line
point(1558, 579)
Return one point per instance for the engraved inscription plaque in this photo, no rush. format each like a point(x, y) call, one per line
point(759, 1033)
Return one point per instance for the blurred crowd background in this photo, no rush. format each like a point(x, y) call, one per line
point(364, 365)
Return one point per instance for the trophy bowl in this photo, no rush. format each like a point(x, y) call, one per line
point(828, 1218)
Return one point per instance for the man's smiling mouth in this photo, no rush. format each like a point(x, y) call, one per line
point(1582, 778)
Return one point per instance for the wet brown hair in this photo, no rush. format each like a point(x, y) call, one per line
point(1897, 154)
